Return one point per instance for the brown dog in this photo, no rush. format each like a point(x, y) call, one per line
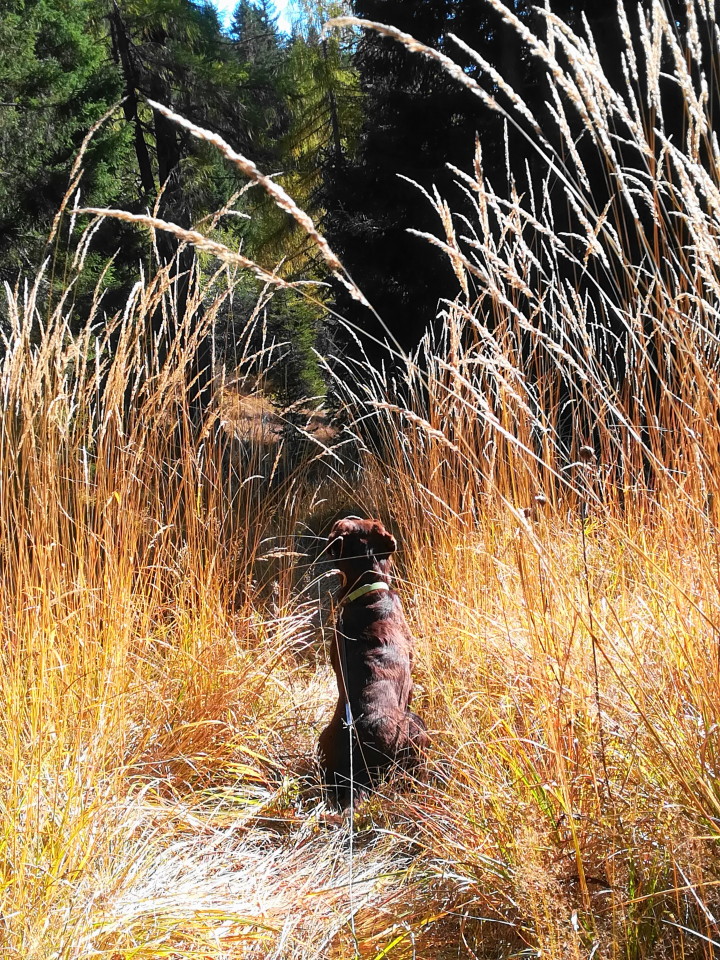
point(371, 655)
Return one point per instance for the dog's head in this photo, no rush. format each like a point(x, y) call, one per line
point(360, 546)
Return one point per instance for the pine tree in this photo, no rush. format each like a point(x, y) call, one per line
point(256, 36)
point(56, 81)
point(323, 118)
point(416, 120)
point(307, 89)
point(173, 52)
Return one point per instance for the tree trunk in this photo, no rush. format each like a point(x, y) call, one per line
point(173, 207)
point(122, 53)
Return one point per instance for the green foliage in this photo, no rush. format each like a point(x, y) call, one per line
point(304, 111)
point(325, 110)
point(297, 323)
point(290, 104)
point(290, 328)
point(57, 80)
point(416, 121)
point(308, 90)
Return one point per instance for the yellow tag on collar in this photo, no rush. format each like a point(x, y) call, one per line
point(368, 588)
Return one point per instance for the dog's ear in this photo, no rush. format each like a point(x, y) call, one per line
point(382, 542)
point(335, 539)
point(335, 544)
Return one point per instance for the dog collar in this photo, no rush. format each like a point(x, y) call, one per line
point(368, 588)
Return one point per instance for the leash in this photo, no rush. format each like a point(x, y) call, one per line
point(340, 643)
point(349, 723)
point(341, 646)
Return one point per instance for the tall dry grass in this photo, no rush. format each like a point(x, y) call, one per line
point(146, 568)
point(163, 680)
point(555, 478)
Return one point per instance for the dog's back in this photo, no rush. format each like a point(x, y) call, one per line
point(372, 657)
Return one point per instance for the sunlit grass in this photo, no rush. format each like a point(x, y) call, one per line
point(164, 673)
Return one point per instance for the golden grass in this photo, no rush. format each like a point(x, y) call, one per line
point(163, 672)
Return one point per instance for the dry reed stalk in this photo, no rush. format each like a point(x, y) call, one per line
point(158, 713)
point(198, 240)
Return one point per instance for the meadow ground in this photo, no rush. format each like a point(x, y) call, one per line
point(166, 617)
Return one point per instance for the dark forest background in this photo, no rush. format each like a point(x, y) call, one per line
point(350, 123)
